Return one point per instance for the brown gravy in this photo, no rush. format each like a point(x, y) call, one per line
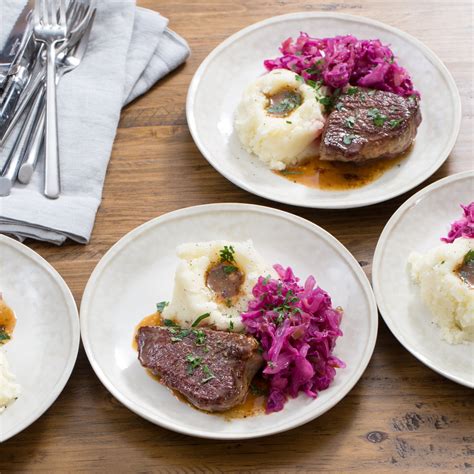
point(283, 102)
point(254, 403)
point(225, 280)
point(7, 320)
point(466, 269)
point(339, 176)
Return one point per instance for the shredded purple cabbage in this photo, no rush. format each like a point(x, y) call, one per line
point(344, 60)
point(297, 328)
point(463, 227)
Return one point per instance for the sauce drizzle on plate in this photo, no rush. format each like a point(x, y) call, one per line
point(339, 176)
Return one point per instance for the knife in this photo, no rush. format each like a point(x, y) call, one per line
point(15, 43)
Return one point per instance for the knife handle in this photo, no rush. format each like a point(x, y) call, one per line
point(36, 132)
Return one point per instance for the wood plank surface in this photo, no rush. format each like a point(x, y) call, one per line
point(401, 416)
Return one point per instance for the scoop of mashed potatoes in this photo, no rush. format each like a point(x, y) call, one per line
point(280, 134)
point(215, 278)
point(9, 390)
point(448, 296)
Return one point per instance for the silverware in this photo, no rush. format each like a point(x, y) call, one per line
point(15, 42)
point(12, 166)
point(33, 149)
point(48, 30)
point(67, 63)
point(77, 15)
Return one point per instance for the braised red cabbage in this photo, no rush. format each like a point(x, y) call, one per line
point(463, 227)
point(342, 61)
point(297, 328)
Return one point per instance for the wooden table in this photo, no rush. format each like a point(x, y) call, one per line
point(400, 416)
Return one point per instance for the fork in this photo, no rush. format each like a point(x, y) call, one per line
point(67, 63)
point(48, 30)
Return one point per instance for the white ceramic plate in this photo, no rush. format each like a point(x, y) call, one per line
point(139, 270)
point(222, 77)
point(44, 346)
point(418, 225)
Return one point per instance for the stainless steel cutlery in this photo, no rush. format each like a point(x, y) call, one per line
point(57, 38)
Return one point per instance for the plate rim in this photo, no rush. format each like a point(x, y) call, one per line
point(346, 203)
point(376, 262)
point(193, 210)
point(73, 315)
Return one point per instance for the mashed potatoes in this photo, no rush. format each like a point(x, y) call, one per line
point(9, 390)
point(202, 267)
point(450, 299)
point(281, 138)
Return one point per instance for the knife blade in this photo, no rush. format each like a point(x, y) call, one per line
point(15, 42)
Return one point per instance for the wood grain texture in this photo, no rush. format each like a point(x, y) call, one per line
point(401, 416)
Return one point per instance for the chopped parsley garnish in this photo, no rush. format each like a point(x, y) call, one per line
point(289, 122)
point(228, 269)
point(348, 139)
point(314, 84)
point(4, 336)
point(299, 78)
point(350, 121)
point(352, 90)
point(228, 302)
point(377, 117)
point(170, 323)
point(394, 123)
point(285, 308)
point(200, 337)
point(329, 101)
point(199, 319)
point(227, 254)
point(161, 306)
point(207, 372)
point(267, 279)
point(314, 69)
point(326, 101)
point(339, 106)
point(469, 257)
point(193, 363)
point(231, 325)
point(179, 336)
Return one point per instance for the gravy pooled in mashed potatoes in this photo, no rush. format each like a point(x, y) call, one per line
point(445, 278)
point(279, 118)
point(215, 278)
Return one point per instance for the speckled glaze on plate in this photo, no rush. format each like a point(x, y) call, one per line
point(219, 82)
point(417, 226)
point(139, 270)
point(43, 350)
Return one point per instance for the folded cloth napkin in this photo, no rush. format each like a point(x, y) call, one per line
point(130, 48)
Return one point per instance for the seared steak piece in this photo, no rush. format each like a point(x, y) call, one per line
point(368, 124)
point(212, 369)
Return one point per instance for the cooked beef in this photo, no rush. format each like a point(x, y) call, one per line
point(212, 369)
point(369, 124)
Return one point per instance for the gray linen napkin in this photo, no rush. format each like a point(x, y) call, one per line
point(129, 50)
